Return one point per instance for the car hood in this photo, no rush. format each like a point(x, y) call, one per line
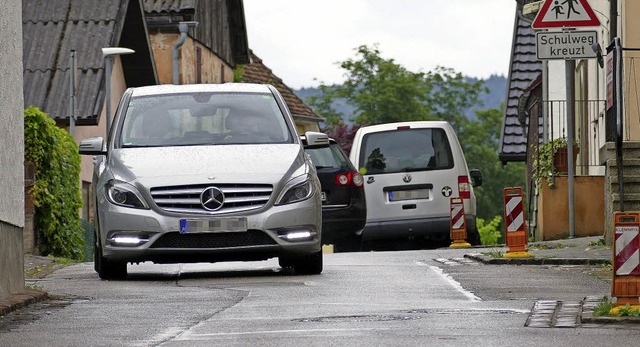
point(164, 166)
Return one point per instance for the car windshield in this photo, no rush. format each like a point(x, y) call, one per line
point(203, 119)
point(328, 157)
point(406, 150)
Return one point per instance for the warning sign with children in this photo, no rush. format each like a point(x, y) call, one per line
point(565, 14)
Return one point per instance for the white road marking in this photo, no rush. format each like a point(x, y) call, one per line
point(455, 284)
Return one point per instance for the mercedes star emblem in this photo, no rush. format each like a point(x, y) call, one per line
point(212, 198)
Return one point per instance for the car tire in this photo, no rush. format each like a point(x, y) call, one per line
point(108, 269)
point(309, 265)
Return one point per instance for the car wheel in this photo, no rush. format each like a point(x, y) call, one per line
point(474, 238)
point(309, 265)
point(108, 269)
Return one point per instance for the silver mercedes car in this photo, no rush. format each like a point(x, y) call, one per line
point(204, 173)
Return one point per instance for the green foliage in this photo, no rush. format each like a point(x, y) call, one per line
point(56, 191)
point(238, 74)
point(628, 311)
point(383, 91)
point(542, 165)
point(489, 232)
point(494, 254)
point(480, 141)
point(603, 308)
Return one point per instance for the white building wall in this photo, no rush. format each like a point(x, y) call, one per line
point(11, 150)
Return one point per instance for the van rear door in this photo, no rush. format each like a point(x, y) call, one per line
point(409, 173)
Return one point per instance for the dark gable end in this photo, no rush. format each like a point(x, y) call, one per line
point(52, 28)
point(524, 68)
point(257, 72)
point(221, 24)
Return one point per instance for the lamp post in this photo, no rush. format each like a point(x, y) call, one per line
point(109, 53)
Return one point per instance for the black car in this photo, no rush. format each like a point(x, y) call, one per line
point(344, 212)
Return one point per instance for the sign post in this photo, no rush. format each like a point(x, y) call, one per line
point(567, 15)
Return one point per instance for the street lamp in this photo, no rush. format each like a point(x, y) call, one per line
point(109, 53)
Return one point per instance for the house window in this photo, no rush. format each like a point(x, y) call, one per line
point(221, 73)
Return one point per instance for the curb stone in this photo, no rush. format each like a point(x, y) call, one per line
point(19, 300)
point(485, 259)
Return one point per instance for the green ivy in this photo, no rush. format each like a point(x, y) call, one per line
point(489, 232)
point(56, 191)
point(238, 74)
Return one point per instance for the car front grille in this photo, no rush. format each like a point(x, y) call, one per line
point(237, 197)
point(213, 240)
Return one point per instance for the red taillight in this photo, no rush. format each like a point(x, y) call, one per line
point(349, 178)
point(464, 188)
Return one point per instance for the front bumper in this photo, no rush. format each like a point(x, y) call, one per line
point(163, 242)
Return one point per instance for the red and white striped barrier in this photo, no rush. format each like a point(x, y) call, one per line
point(516, 236)
point(627, 253)
point(625, 285)
point(514, 209)
point(458, 224)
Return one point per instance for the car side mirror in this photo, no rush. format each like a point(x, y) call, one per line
point(92, 146)
point(313, 139)
point(476, 177)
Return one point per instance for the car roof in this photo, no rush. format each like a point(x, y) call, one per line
point(196, 88)
point(414, 124)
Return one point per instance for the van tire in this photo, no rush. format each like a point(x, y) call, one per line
point(474, 238)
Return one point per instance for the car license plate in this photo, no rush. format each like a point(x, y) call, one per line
point(400, 195)
point(217, 225)
point(324, 196)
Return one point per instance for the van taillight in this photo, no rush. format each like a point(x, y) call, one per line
point(403, 127)
point(349, 178)
point(464, 188)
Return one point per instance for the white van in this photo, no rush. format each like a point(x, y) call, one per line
point(411, 170)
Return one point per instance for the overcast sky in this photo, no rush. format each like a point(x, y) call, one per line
point(301, 40)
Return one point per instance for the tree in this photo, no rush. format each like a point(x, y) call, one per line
point(383, 91)
point(480, 140)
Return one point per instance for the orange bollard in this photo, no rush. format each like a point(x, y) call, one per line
point(516, 235)
point(458, 224)
point(625, 285)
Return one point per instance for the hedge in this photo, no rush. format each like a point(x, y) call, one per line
point(56, 192)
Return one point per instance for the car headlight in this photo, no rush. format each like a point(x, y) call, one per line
point(297, 189)
point(124, 194)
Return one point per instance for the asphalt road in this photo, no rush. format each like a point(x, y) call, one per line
point(415, 298)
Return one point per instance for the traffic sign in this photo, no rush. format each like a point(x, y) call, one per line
point(565, 14)
point(568, 44)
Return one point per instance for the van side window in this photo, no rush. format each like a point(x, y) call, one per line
point(406, 150)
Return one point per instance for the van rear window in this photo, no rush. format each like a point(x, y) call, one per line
point(406, 150)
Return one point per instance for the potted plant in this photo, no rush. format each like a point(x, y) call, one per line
point(550, 160)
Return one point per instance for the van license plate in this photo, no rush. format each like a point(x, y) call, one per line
point(217, 225)
point(400, 195)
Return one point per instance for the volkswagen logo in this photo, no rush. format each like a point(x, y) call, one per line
point(406, 178)
point(212, 198)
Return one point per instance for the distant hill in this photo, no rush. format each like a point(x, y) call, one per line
point(497, 90)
